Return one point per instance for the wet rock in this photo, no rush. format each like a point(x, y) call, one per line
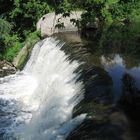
point(105, 129)
point(6, 68)
point(106, 123)
point(22, 56)
point(97, 85)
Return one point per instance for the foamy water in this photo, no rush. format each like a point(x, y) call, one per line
point(37, 103)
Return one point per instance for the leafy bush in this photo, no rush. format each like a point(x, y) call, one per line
point(12, 51)
point(13, 46)
point(33, 37)
point(9, 43)
point(5, 29)
point(104, 11)
point(25, 14)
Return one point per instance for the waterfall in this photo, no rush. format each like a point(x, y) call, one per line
point(37, 102)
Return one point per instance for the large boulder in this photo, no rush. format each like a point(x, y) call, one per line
point(47, 24)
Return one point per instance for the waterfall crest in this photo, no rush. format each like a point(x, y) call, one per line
point(38, 102)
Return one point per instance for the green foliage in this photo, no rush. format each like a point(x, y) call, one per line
point(18, 18)
point(9, 43)
point(64, 7)
point(33, 37)
point(104, 11)
point(11, 46)
point(12, 51)
point(125, 39)
point(23, 14)
point(10, 40)
point(30, 41)
point(15, 46)
point(5, 29)
point(59, 25)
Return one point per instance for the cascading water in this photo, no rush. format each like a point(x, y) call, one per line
point(37, 103)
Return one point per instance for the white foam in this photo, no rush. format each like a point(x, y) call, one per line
point(43, 95)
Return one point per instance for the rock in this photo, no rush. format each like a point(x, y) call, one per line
point(48, 22)
point(21, 58)
point(22, 55)
point(70, 37)
point(104, 129)
point(6, 68)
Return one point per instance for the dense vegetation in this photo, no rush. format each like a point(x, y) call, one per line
point(18, 18)
point(17, 21)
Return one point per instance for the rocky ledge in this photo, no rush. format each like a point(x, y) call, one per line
point(6, 68)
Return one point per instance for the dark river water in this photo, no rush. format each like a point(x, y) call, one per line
point(114, 64)
point(111, 74)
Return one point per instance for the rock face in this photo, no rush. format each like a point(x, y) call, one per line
point(6, 68)
point(49, 21)
point(20, 58)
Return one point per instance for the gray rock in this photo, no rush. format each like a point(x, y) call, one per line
point(49, 21)
point(21, 56)
point(6, 68)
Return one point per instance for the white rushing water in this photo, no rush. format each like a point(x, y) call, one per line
point(37, 103)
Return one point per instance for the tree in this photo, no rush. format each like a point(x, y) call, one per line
point(5, 29)
point(24, 14)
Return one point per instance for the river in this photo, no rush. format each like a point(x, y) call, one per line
point(69, 89)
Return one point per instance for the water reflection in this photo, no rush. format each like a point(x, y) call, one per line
point(135, 72)
point(116, 68)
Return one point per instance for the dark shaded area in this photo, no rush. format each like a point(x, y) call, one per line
point(106, 120)
point(130, 99)
point(5, 6)
point(97, 84)
point(118, 38)
point(130, 102)
point(96, 130)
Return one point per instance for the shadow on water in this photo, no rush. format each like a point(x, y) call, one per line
point(110, 71)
